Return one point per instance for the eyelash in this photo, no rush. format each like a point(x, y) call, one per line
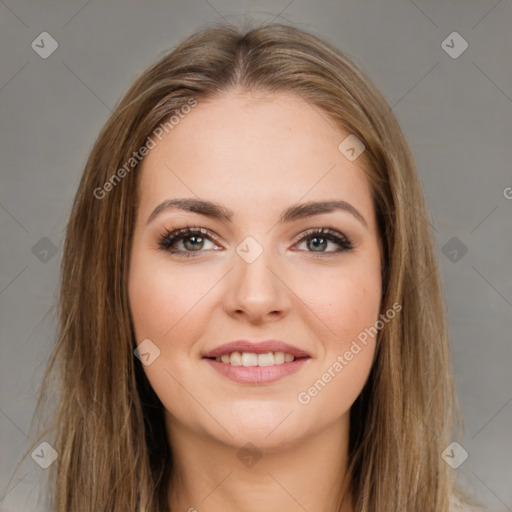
point(168, 238)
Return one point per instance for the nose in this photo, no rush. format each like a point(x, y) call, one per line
point(257, 291)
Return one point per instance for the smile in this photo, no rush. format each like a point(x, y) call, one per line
point(253, 359)
point(252, 368)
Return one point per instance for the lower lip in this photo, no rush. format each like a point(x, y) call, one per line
point(257, 374)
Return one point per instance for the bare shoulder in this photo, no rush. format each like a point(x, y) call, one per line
point(457, 505)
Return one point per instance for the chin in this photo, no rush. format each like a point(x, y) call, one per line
point(269, 432)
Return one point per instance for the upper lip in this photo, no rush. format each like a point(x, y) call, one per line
point(261, 347)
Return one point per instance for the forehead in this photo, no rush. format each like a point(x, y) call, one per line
point(253, 152)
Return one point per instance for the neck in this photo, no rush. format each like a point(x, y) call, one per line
point(210, 475)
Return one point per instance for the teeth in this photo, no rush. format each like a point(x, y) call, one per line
point(279, 357)
point(235, 359)
point(253, 359)
point(266, 359)
point(249, 359)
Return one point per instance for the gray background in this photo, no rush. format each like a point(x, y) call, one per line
point(456, 114)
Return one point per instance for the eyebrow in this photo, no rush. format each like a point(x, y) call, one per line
point(219, 212)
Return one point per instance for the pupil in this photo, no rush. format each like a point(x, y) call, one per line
point(316, 238)
point(197, 239)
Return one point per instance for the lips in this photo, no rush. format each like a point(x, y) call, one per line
point(256, 363)
point(262, 347)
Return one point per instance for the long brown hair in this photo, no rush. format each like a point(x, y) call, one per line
point(108, 426)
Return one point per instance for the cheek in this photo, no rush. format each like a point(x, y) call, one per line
point(331, 394)
point(346, 300)
point(166, 308)
point(163, 299)
point(348, 303)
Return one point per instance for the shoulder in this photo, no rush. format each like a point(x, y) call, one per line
point(456, 505)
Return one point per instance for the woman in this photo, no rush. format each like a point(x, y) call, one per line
point(251, 316)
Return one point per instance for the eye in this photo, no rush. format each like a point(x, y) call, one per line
point(192, 238)
point(318, 239)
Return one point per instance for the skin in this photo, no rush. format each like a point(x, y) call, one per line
point(257, 155)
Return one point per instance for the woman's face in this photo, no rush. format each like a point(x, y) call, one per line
point(261, 274)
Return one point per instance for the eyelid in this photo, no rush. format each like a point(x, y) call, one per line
point(186, 231)
point(321, 231)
